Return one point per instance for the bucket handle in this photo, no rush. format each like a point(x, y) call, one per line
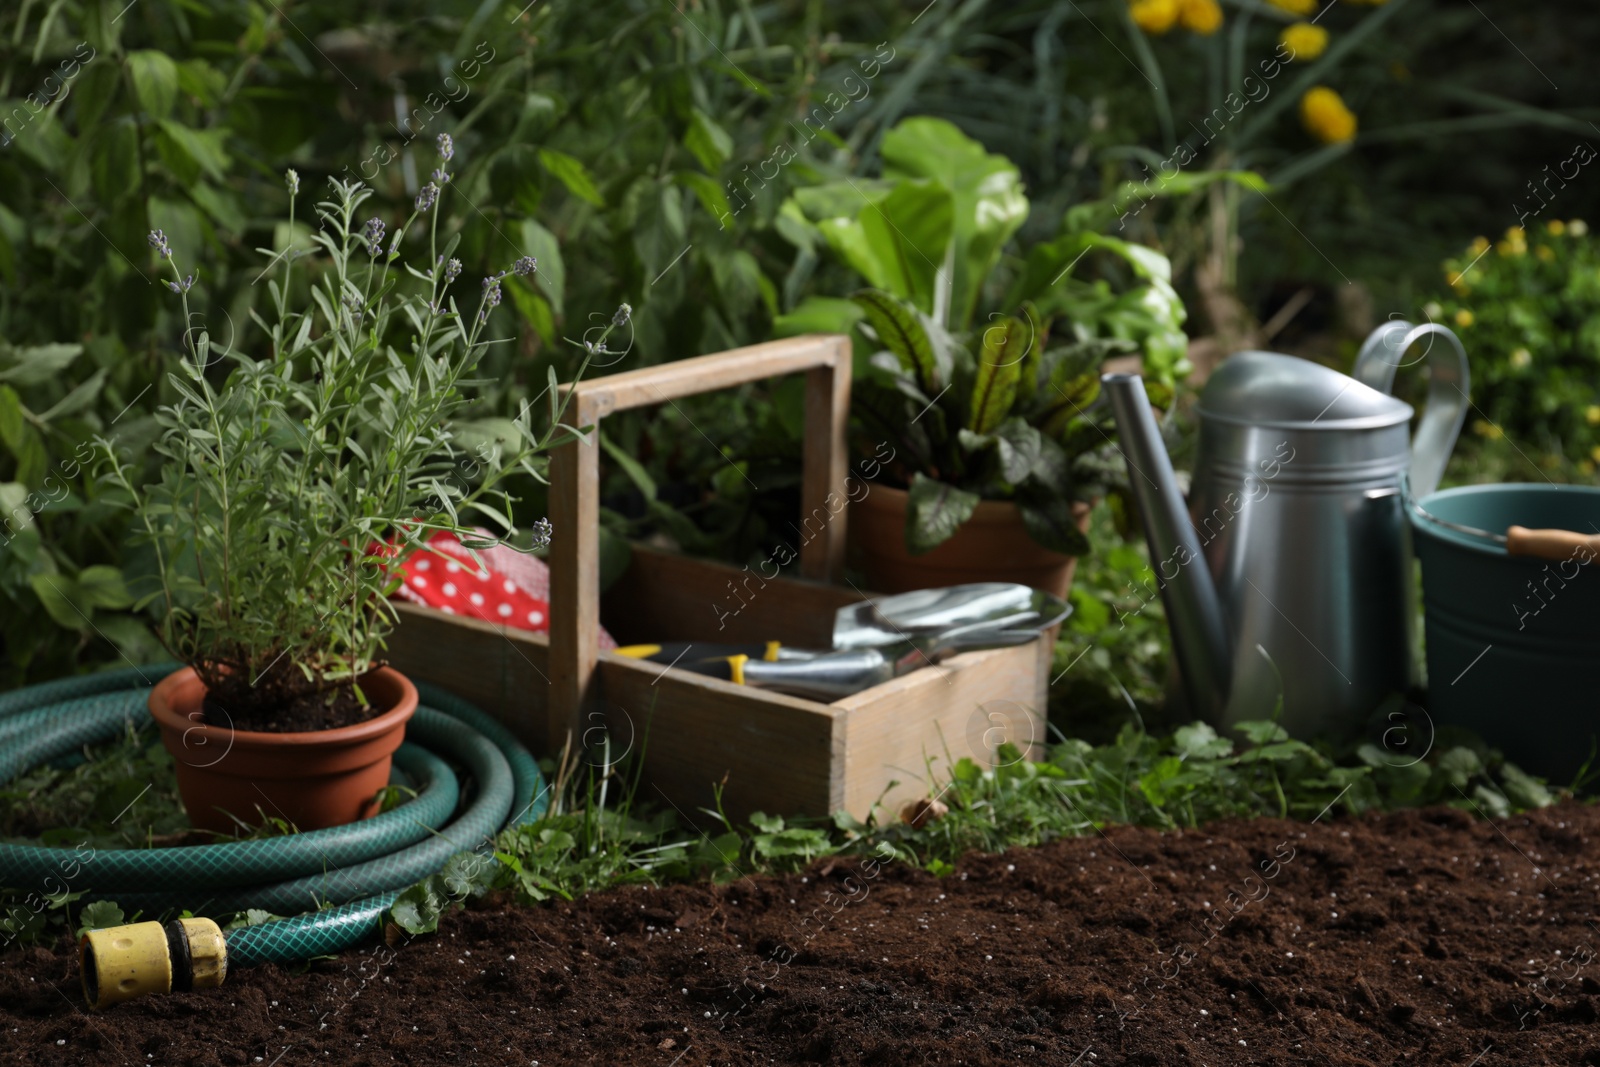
point(1414, 507)
point(1449, 382)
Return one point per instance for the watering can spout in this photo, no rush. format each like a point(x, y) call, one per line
point(1201, 638)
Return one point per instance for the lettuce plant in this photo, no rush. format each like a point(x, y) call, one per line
point(289, 480)
point(994, 406)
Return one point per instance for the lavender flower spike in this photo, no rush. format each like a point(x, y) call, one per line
point(447, 147)
point(158, 241)
point(452, 271)
point(427, 196)
point(372, 233)
point(624, 312)
point(291, 178)
point(524, 266)
point(491, 297)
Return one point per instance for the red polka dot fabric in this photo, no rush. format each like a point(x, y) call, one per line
point(510, 588)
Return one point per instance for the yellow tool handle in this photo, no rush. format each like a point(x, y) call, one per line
point(1552, 544)
point(692, 651)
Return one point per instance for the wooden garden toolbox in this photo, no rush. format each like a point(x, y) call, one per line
point(770, 752)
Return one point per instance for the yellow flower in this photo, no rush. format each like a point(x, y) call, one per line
point(1545, 252)
point(1515, 243)
point(1296, 7)
point(1480, 245)
point(1464, 318)
point(1595, 452)
point(1556, 227)
point(1592, 414)
point(1201, 16)
point(1304, 41)
point(1154, 16)
point(1521, 358)
point(1323, 113)
point(1577, 227)
point(1487, 429)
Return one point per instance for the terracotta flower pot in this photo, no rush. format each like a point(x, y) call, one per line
point(991, 546)
point(315, 779)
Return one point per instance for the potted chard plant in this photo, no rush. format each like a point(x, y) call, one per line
point(997, 450)
point(289, 479)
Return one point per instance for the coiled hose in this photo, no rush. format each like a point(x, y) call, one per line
point(359, 868)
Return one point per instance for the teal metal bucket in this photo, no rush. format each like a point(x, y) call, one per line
point(1513, 642)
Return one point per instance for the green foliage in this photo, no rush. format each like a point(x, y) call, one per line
point(1092, 119)
point(122, 794)
point(250, 917)
point(98, 916)
point(644, 151)
point(1528, 312)
point(996, 413)
point(1185, 779)
point(276, 485)
point(1111, 655)
point(776, 846)
point(637, 150)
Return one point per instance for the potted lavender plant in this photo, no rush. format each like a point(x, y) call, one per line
point(289, 479)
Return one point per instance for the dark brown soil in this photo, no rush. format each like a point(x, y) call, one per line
point(296, 713)
point(1420, 938)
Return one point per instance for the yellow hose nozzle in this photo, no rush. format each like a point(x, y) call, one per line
point(124, 962)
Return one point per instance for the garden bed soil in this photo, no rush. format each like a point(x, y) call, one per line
point(1425, 937)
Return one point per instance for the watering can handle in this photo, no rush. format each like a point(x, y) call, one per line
point(1449, 384)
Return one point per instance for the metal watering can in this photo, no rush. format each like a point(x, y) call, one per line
point(1295, 542)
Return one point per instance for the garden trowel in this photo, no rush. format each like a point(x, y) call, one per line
point(875, 642)
point(889, 620)
point(831, 675)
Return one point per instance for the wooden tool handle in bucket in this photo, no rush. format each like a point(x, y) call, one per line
point(575, 488)
point(1552, 544)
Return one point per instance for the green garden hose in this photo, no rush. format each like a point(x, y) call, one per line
point(358, 869)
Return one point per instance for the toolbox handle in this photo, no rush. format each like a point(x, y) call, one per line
point(575, 487)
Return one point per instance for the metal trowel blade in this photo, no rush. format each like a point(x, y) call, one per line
point(889, 619)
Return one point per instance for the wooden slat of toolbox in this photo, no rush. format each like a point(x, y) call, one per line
point(776, 753)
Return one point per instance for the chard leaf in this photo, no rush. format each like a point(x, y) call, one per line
point(994, 389)
point(934, 512)
point(1020, 448)
point(901, 331)
point(1049, 521)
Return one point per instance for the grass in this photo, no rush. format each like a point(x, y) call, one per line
point(1183, 779)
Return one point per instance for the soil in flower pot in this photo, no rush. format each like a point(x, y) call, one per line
point(302, 713)
point(992, 546)
point(311, 778)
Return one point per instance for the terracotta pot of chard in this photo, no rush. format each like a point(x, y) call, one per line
point(991, 546)
point(313, 778)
